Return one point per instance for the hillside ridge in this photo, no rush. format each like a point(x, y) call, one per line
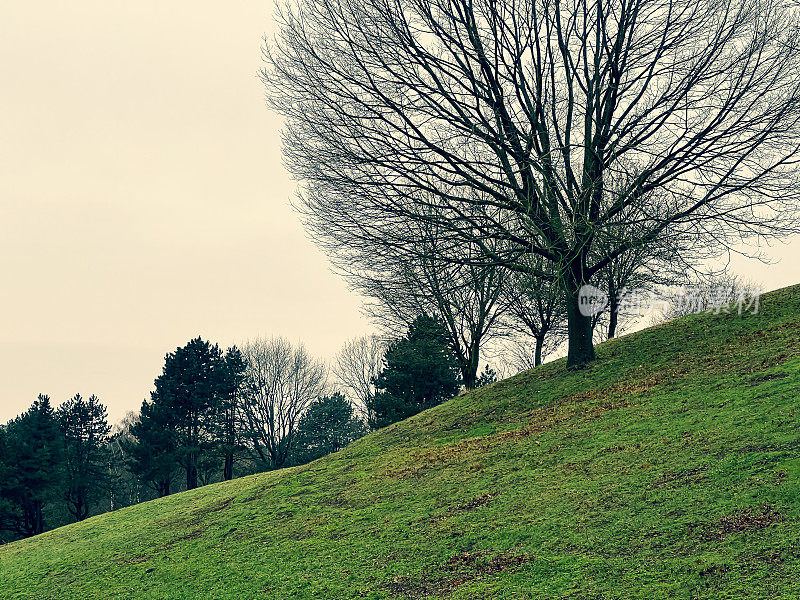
point(669, 468)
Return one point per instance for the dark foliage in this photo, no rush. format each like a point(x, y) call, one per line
point(488, 377)
point(84, 427)
point(420, 371)
point(190, 415)
point(328, 425)
point(31, 455)
point(152, 453)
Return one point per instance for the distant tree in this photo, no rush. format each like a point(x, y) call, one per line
point(536, 311)
point(487, 377)
point(151, 448)
point(10, 513)
point(125, 487)
point(193, 389)
point(329, 424)
point(641, 270)
point(356, 367)
point(231, 380)
point(84, 427)
point(712, 292)
point(441, 279)
point(420, 371)
point(31, 460)
point(281, 382)
point(466, 299)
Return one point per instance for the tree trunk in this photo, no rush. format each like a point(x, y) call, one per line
point(228, 470)
point(191, 474)
point(613, 307)
point(36, 524)
point(581, 349)
point(470, 370)
point(192, 454)
point(230, 439)
point(80, 511)
point(537, 356)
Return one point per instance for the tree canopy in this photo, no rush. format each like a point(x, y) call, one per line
point(565, 132)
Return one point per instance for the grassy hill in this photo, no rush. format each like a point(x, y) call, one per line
point(668, 469)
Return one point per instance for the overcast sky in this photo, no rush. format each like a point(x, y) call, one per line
point(143, 200)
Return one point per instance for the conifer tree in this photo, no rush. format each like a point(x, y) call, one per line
point(420, 372)
point(151, 449)
point(329, 424)
point(84, 426)
point(31, 459)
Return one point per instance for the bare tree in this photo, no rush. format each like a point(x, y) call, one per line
point(281, 381)
point(126, 487)
point(356, 367)
point(438, 279)
point(517, 355)
point(533, 127)
point(536, 310)
point(643, 269)
point(466, 298)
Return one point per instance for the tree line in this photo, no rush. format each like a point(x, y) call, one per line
point(217, 414)
point(214, 415)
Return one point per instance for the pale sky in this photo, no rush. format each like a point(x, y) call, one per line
point(143, 200)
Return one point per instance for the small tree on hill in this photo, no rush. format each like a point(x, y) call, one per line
point(356, 367)
point(488, 377)
point(231, 379)
point(420, 372)
point(329, 424)
point(281, 382)
point(84, 426)
point(30, 468)
point(151, 448)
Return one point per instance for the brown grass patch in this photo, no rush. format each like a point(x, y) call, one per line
point(682, 478)
point(456, 571)
point(742, 520)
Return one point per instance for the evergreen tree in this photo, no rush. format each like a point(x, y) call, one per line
point(187, 388)
point(85, 428)
point(151, 448)
point(191, 418)
point(420, 371)
point(327, 426)
point(32, 458)
point(488, 377)
point(230, 379)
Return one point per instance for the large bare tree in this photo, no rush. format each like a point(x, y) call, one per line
point(532, 127)
point(281, 381)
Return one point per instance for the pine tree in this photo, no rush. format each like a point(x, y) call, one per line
point(32, 461)
point(190, 420)
point(420, 371)
point(230, 378)
point(84, 425)
point(327, 426)
point(151, 449)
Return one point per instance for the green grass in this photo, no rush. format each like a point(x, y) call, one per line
point(668, 469)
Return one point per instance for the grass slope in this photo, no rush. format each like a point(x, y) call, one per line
point(668, 469)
